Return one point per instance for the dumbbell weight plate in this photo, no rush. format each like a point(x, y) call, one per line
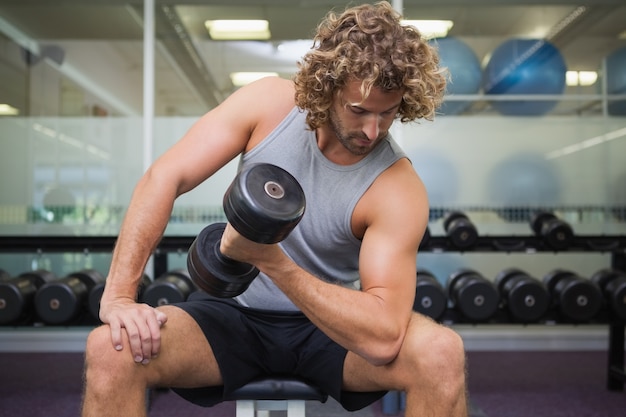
point(526, 298)
point(474, 296)
point(171, 287)
point(460, 230)
point(264, 203)
point(17, 294)
point(211, 271)
point(604, 276)
point(558, 234)
point(617, 296)
point(450, 217)
point(59, 302)
point(538, 219)
point(430, 297)
point(554, 276)
point(613, 285)
point(578, 299)
point(555, 232)
point(13, 298)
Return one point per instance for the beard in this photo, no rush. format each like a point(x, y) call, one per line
point(352, 141)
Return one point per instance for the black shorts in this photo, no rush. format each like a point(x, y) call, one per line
point(250, 343)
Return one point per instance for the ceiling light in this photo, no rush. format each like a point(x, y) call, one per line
point(571, 78)
point(586, 78)
point(431, 28)
point(238, 29)
point(8, 110)
point(239, 79)
point(580, 78)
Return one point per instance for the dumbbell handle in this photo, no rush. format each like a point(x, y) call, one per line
point(228, 264)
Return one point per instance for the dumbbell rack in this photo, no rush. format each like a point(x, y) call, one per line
point(615, 245)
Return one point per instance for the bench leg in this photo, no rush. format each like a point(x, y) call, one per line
point(296, 408)
point(255, 408)
point(245, 408)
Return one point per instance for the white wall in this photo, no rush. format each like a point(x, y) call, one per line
point(485, 162)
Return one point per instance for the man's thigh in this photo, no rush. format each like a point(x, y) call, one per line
point(186, 358)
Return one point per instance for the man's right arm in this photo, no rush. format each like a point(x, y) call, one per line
point(213, 141)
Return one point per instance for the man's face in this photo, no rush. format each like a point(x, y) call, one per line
point(360, 125)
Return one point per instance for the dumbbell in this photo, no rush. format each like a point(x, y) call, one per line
point(525, 297)
point(63, 300)
point(460, 230)
point(264, 203)
point(95, 294)
point(171, 287)
point(613, 284)
point(430, 296)
point(555, 232)
point(470, 293)
point(576, 298)
point(17, 295)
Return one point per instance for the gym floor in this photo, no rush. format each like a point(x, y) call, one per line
point(501, 384)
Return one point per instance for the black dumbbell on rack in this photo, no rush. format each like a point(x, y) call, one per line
point(524, 297)
point(172, 287)
point(95, 294)
point(576, 298)
point(430, 296)
point(613, 284)
point(264, 203)
point(555, 233)
point(472, 295)
point(17, 296)
point(460, 230)
point(65, 300)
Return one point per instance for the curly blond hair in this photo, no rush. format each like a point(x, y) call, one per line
point(369, 44)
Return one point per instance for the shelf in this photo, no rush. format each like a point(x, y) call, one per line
point(476, 338)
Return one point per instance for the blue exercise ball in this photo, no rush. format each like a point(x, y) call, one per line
point(616, 80)
point(523, 180)
point(465, 72)
point(525, 66)
point(439, 175)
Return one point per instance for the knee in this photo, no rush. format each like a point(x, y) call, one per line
point(438, 352)
point(102, 362)
point(447, 352)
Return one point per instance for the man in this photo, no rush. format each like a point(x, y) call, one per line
point(333, 302)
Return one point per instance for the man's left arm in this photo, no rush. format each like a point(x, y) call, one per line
point(371, 322)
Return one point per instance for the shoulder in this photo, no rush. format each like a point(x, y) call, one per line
point(396, 199)
point(265, 95)
point(400, 184)
point(264, 104)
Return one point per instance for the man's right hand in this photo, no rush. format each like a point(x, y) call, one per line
point(141, 322)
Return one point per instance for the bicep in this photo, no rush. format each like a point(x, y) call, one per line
point(213, 141)
point(388, 266)
point(388, 259)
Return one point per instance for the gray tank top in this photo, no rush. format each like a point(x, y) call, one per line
point(323, 242)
